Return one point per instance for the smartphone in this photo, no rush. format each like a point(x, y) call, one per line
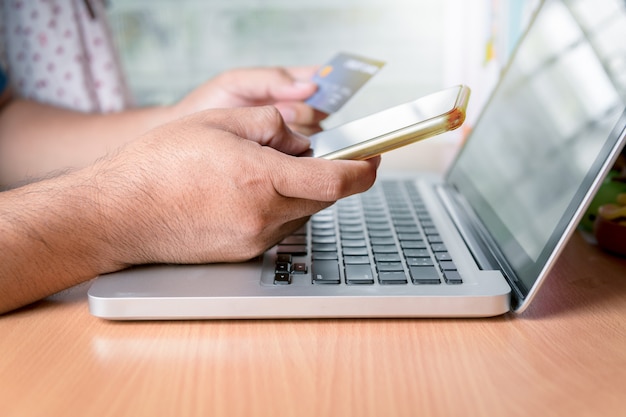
point(394, 127)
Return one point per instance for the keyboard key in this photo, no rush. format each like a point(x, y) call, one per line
point(383, 241)
point(324, 247)
point(389, 266)
point(380, 233)
point(402, 212)
point(376, 218)
point(379, 226)
point(417, 253)
point(351, 228)
point(323, 239)
point(420, 261)
point(323, 232)
point(359, 274)
point(447, 266)
point(325, 272)
point(424, 275)
point(323, 224)
point(403, 222)
point(413, 244)
point(324, 255)
point(452, 277)
point(384, 249)
point(356, 259)
point(392, 277)
point(387, 257)
point(353, 235)
point(353, 243)
point(407, 229)
point(350, 221)
point(439, 247)
point(410, 236)
point(282, 278)
point(281, 267)
point(355, 251)
point(443, 256)
point(434, 239)
point(299, 268)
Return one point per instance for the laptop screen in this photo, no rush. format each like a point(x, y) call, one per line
point(548, 129)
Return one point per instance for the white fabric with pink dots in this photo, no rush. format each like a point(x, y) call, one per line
point(60, 52)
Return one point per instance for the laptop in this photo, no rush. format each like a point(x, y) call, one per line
point(476, 242)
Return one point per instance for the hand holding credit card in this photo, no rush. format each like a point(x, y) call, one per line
point(339, 79)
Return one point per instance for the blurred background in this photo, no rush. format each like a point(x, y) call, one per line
point(169, 47)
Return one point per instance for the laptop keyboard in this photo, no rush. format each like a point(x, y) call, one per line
point(384, 236)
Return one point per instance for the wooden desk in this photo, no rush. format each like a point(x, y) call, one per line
point(566, 356)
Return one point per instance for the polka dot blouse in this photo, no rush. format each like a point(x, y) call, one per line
point(60, 52)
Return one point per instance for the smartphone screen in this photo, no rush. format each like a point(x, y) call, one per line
point(394, 127)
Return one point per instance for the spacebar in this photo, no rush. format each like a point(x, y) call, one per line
point(325, 272)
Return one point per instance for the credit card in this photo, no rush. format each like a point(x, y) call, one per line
point(339, 79)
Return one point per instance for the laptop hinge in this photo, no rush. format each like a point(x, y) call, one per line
point(475, 235)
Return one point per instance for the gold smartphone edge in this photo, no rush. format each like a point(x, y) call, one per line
point(428, 128)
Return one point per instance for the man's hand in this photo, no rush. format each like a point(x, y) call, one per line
point(284, 88)
point(220, 185)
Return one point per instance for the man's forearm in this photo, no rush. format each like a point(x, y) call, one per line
point(53, 235)
point(36, 139)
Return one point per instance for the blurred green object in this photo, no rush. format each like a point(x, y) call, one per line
point(607, 193)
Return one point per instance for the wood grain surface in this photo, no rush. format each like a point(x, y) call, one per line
point(565, 356)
